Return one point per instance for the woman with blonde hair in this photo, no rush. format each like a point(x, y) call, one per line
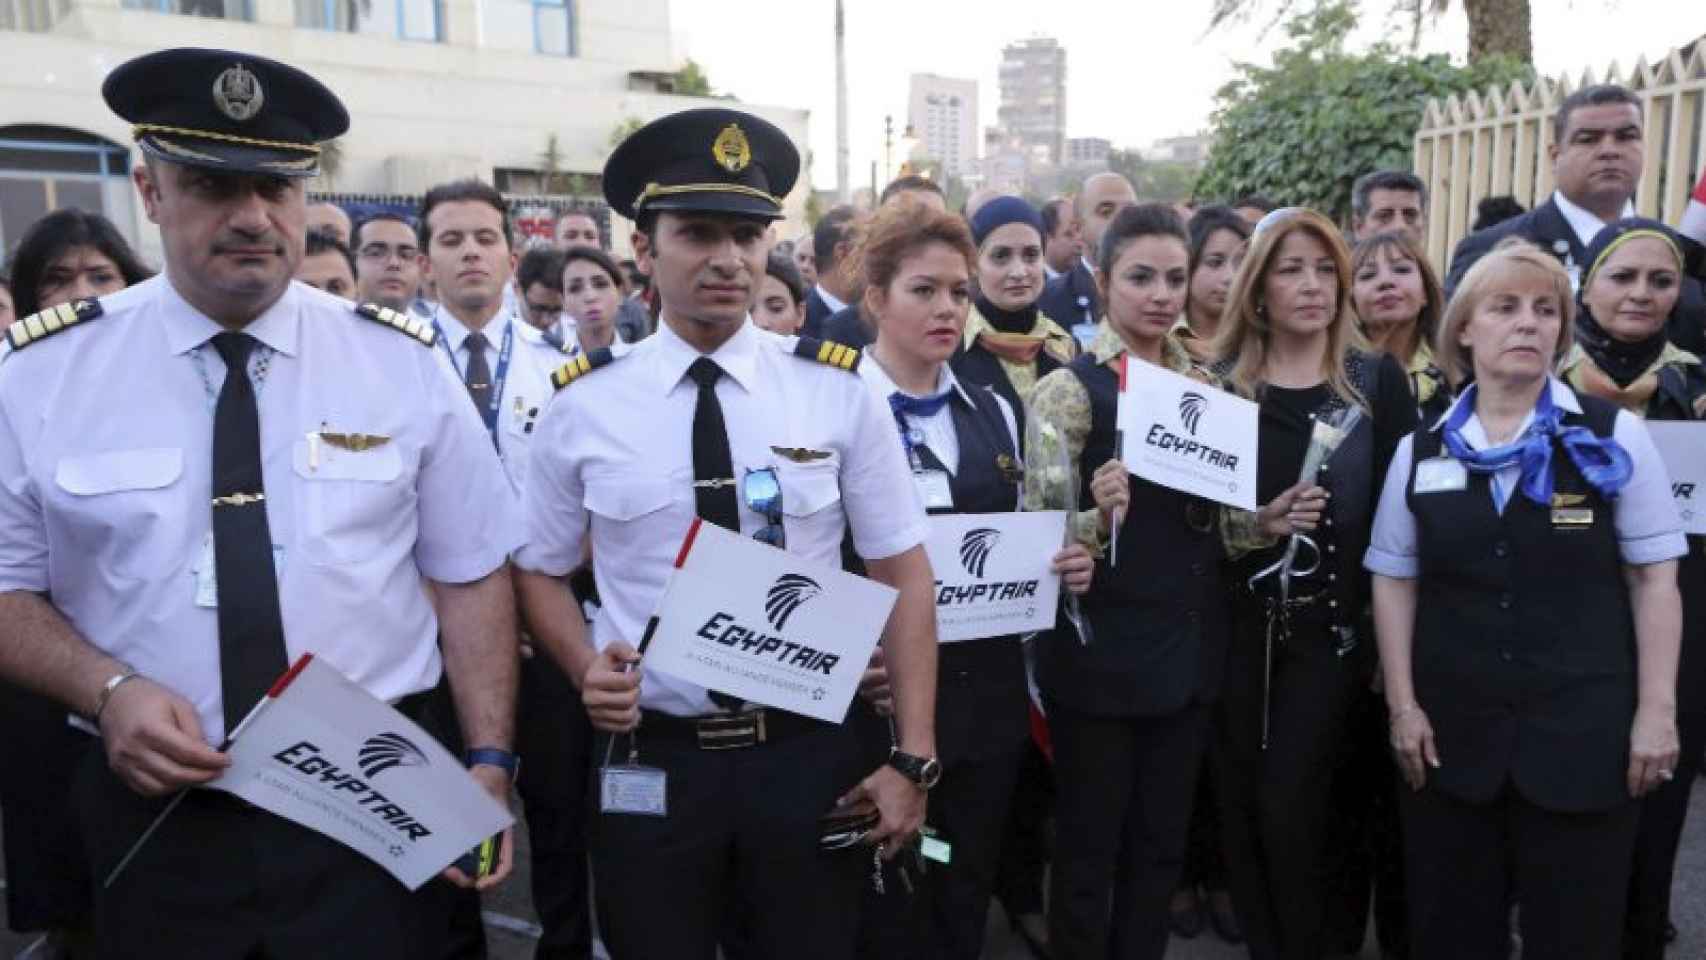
point(1524, 559)
point(1300, 645)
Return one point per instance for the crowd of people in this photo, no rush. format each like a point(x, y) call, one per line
point(1448, 676)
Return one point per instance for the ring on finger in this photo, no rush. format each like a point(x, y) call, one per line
point(1666, 775)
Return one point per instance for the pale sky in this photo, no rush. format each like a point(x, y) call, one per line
point(1137, 70)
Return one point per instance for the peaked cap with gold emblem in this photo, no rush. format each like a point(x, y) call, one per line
point(223, 110)
point(710, 160)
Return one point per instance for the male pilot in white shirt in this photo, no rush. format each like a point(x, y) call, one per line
point(628, 454)
point(213, 472)
point(464, 233)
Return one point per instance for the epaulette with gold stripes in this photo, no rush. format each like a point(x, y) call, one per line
point(581, 366)
point(48, 322)
point(828, 352)
point(401, 322)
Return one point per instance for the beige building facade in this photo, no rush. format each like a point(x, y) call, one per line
point(436, 89)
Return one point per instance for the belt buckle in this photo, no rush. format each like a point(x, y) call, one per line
point(731, 733)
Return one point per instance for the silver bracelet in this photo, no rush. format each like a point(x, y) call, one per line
point(113, 683)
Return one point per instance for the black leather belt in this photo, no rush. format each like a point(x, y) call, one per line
point(726, 731)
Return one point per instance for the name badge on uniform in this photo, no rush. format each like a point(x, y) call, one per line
point(632, 789)
point(1568, 512)
point(933, 489)
point(1441, 475)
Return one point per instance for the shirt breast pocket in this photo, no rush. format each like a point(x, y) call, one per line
point(643, 506)
point(350, 503)
point(811, 502)
point(121, 509)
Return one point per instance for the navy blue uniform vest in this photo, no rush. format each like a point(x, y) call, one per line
point(980, 684)
point(1159, 618)
point(1524, 650)
point(979, 366)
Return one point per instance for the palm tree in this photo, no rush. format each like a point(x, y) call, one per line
point(1496, 27)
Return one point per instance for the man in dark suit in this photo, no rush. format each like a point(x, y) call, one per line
point(832, 241)
point(1071, 299)
point(1597, 156)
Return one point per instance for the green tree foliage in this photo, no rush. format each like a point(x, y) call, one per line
point(691, 81)
point(1302, 130)
point(1496, 27)
point(1154, 180)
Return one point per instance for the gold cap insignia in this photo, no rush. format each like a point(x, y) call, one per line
point(731, 150)
point(237, 93)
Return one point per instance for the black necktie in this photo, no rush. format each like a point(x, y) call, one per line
point(713, 469)
point(251, 629)
point(479, 373)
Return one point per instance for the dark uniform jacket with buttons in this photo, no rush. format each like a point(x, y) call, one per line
point(981, 698)
point(1071, 298)
point(1159, 618)
point(1524, 648)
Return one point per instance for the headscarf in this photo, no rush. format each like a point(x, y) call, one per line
point(1620, 360)
point(1002, 211)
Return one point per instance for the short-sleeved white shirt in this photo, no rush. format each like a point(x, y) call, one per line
point(1644, 512)
point(614, 462)
point(526, 387)
point(106, 449)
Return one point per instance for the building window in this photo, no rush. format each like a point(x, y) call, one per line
point(30, 16)
point(45, 168)
point(403, 19)
point(554, 31)
point(216, 9)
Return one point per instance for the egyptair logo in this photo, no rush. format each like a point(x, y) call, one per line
point(789, 592)
point(382, 751)
point(975, 548)
point(1191, 406)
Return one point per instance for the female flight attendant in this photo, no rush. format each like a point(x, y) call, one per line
point(1129, 700)
point(1525, 595)
point(1629, 293)
point(962, 444)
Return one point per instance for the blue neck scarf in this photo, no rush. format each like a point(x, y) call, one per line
point(1604, 464)
point(905, 406)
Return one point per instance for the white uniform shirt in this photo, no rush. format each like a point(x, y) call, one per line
point(614, 462)
point(938, 428)
point(525, 391)
point(1644, 513)
point(106, 455)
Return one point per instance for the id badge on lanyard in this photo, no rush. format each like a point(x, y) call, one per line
point(500, 376)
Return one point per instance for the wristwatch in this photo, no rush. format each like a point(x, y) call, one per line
point(493, 757)
point(926, 772)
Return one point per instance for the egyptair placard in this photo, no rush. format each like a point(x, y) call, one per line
point(992, 572)
point(324, 753)
point(759, 623)
point(1682, 446)
point(1186, 435)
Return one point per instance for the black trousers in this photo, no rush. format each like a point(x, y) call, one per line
point(982, 729)
point(1467, 863)
point(1366, 846)
point(738, 850)
point(1205, 865)
point(224, 880)
point(1124, 788)
point(47, 878)
point(1025, 846)
point(1662, 815)
point(1275, 802)
point(554, 741)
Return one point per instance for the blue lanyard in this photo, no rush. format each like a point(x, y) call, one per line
point(499, 376)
